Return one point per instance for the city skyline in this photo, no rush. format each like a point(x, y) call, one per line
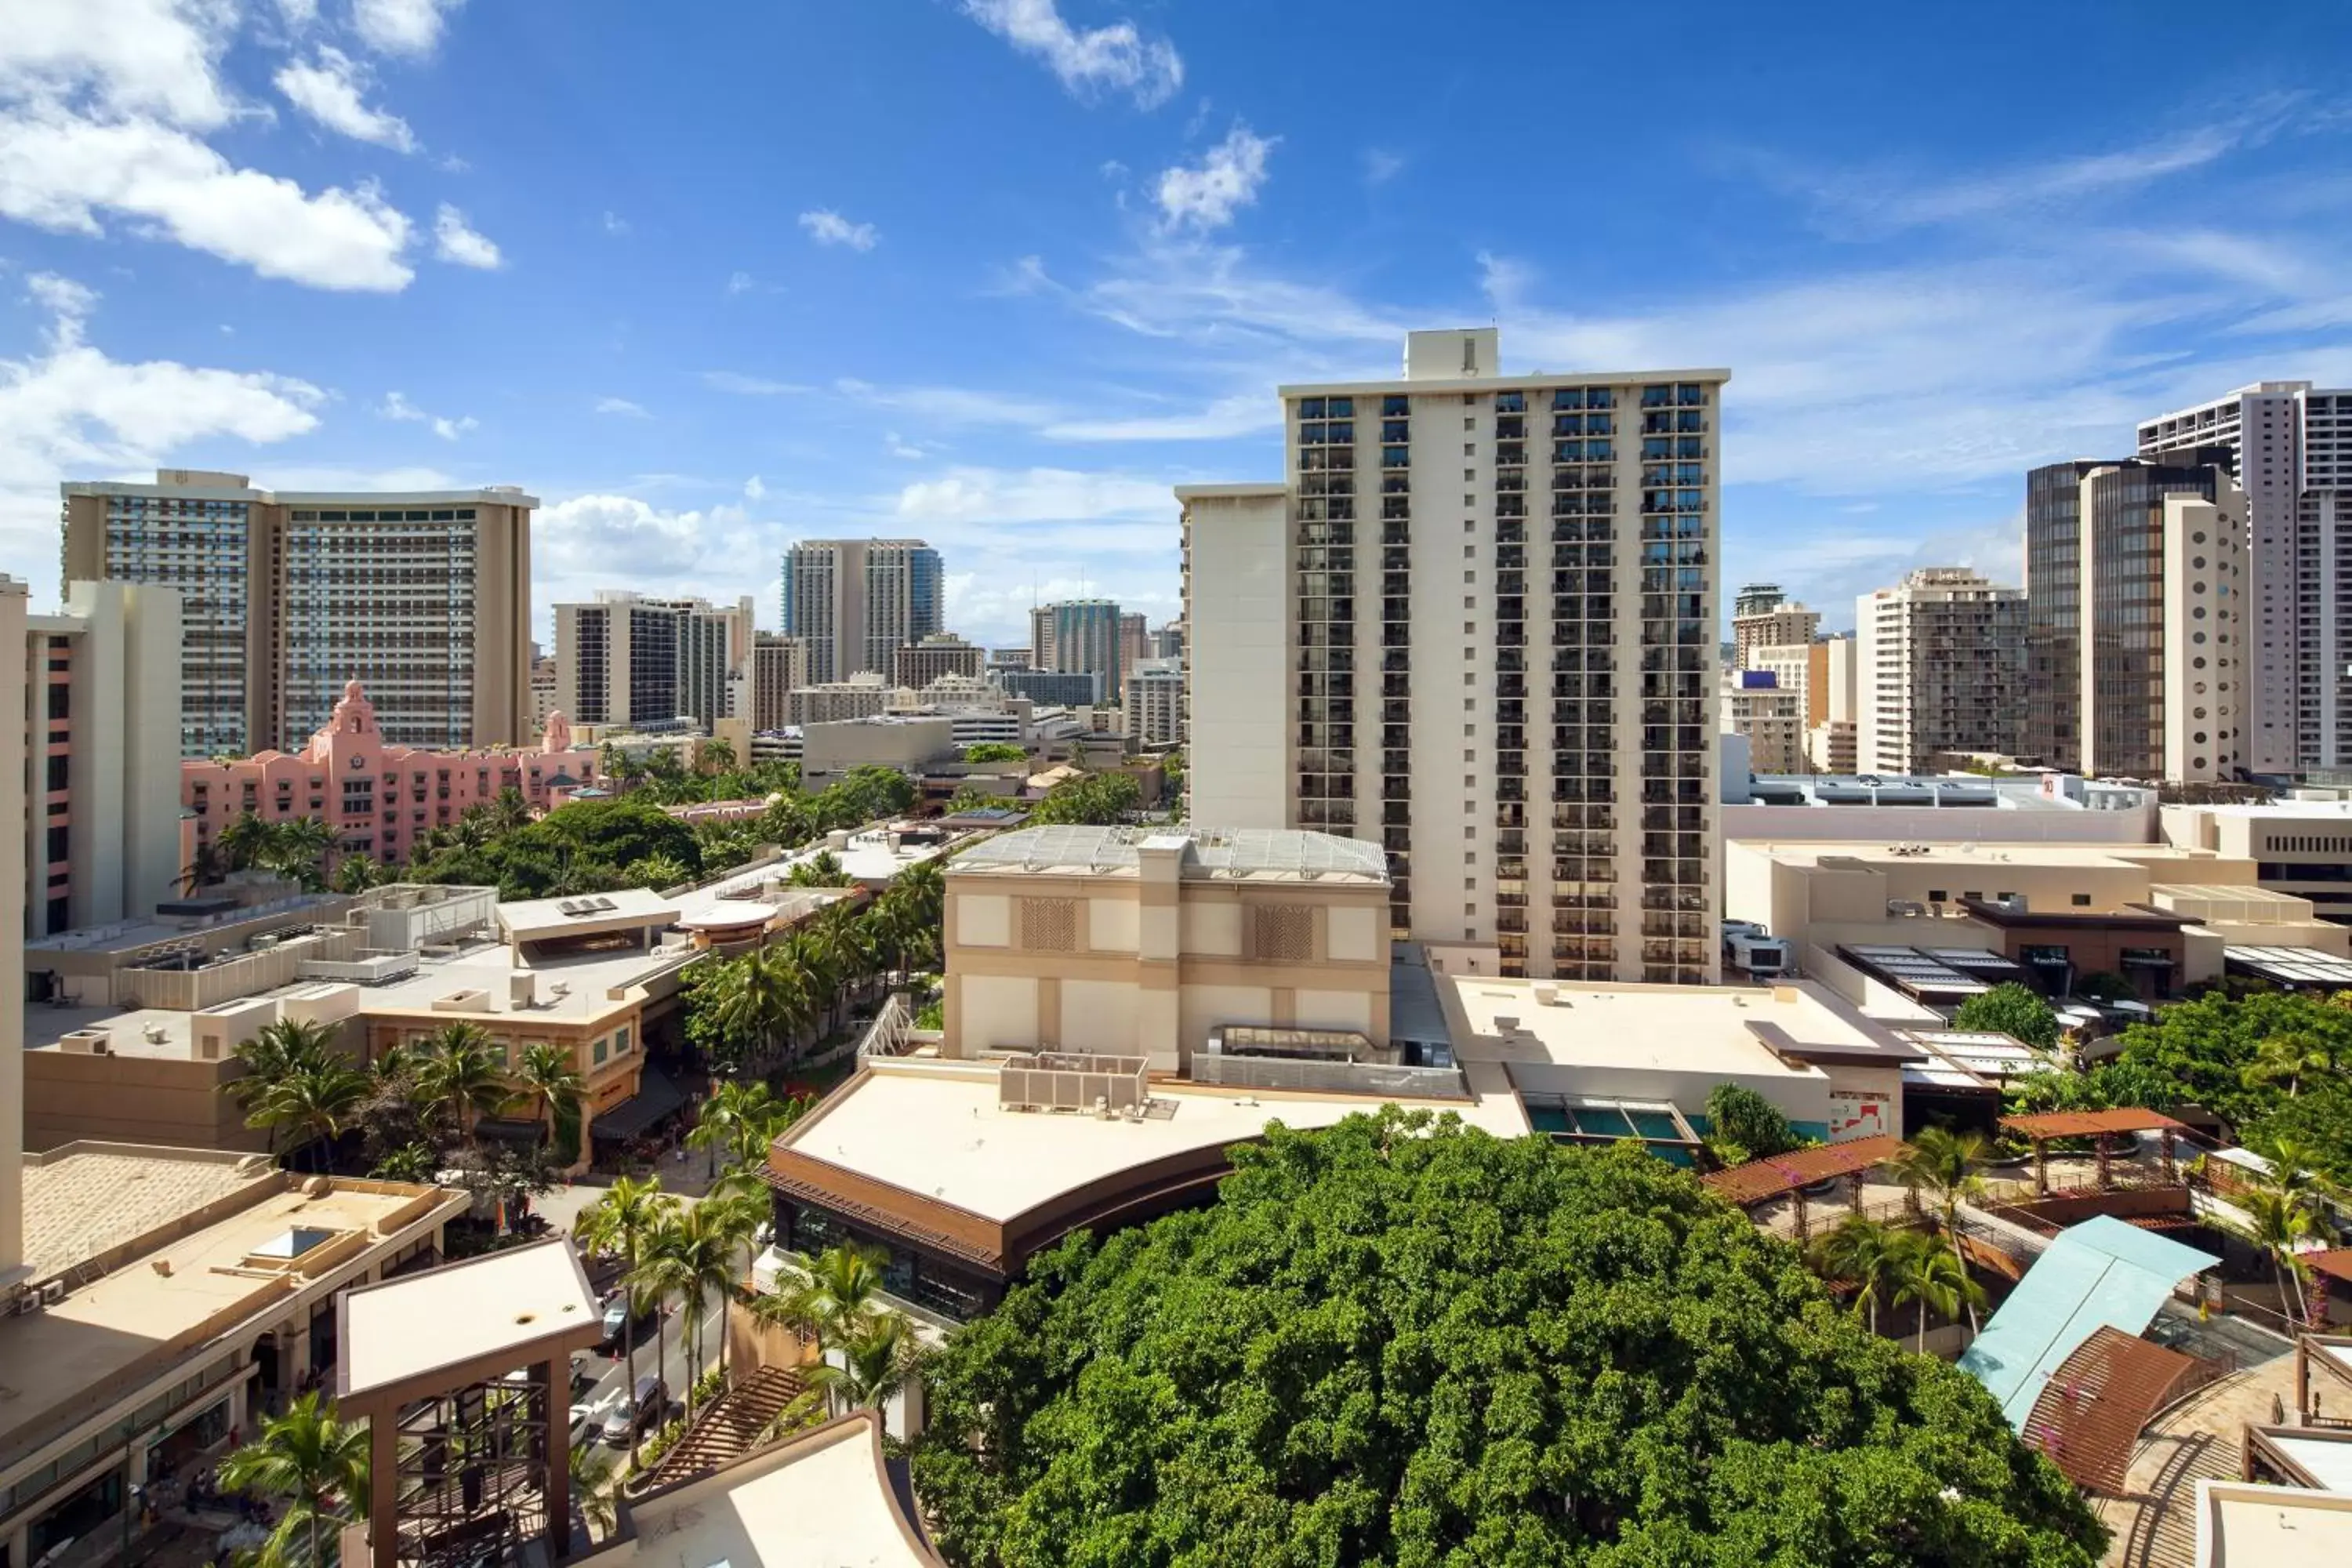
point(1017, 363)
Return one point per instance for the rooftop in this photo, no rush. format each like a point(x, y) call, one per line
point(1698, 1029)
point(567, 990)
point(537, 919)
point(1253, 854)
point(824, 1499)
point(2244, 1526)
point(128, 936)
point(935, 1129)
point(239, 487)
point(83, 1198)
point(499, 1306)
point(212, 1255)
point(1877, 851)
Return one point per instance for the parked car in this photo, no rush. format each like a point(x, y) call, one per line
point(647, 1403)
point(616, 1313)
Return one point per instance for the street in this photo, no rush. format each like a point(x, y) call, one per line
point(666, 1353)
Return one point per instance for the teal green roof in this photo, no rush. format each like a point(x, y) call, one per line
point(2099, 1274)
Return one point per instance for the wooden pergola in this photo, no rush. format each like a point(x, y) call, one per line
point(1788, 1175)
point(2091, 1413)
point(2101, 1125)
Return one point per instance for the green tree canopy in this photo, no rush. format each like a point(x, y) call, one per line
point(994, 751)
point(2013, 1009)
point(1097, 800)
point(1746, 1126)
point(1399, 1340)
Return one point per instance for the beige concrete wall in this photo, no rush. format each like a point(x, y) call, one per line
point(133, 1099)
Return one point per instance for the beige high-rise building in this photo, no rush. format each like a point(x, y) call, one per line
point(1940, 670)
point(633, 659)
point(1154, 706)
point(856, 602)
point(1134, 639)
point(542, 688)
point(16, 695)
point(1476, 623)
point(2136, 583)
point(1761, 617)
point(942, 653)
point(101, 838)
point(286, 597)
point(778, 667)
point(1772, 717)
point(1821, 674)
point(2288, 445)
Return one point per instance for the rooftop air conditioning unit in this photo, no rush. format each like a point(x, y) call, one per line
point(1506, 1024)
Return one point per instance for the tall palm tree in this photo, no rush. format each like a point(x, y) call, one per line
point(204, 867)
point(316, 1463)
point(591, 1488)
point(275, 1054)
point(1931, 1277)
point(740, 1119)
point(696, 1255)
point(317, 1100)
point(822, 870)
point(461, 1073)
point(1864, 1251)
point(2278, 1224)
point(298, 848)
point(622, 1224)
point(877, 1359)
point(761, 999)
point(2287, 1058)
point(1946, 1165)
point(842, 1289)
point(548, 1074)
point(356, 873)
point(510, 810)
point(244, 841)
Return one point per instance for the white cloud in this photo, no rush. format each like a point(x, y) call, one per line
point(396, 405)
point(614, 224)
point(1116, 59)
point(749, 386)
point(454, 242)
point(60, 171)
point(1380, 165)
point(952, 405)
point(623, 407)
point(69, 411)
point(753, 490)
point(299, 14)
point(330, 90)
point(1226, 181)
point(1033, 495)
point(738, 283)
point(829, 227)
point(585, 543)
point(147, 58)
point(402, 26)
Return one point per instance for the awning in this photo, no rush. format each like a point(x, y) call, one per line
point(2090, 1123)
point(656, 1098)
point(1760, 1178)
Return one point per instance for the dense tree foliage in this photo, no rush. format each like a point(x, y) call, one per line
point(2013, 1009)
point(587, 847)
point(1399, 1341)
point(2275, 1065)
point(1743, 1125)
point(1097, 800)
point(994, 751)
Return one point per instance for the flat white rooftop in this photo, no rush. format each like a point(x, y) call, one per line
point(537, 919)
point(935, 1129)
point(420, 1323)
point(821, 1500)
point(1703, 1030)
point(2154, 858)
point(490, 968)
point(2244, 1526)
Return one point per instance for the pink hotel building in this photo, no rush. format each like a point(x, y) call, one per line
point(380, 799)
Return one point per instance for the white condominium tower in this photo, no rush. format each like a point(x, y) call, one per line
point(425, 597)
point(857, 602)
point(1476, 624)
point(628, 658)
point(1941, 659)
point(2290, 447)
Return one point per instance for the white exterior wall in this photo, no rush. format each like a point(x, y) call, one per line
point(1238, 771)
point(13, 604)
point(2204, 619)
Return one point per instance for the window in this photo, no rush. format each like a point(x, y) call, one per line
point(2081, 901)
point(58, 770)
point(621, 1041)
point(1937, 894)
point(60, 844)
point(60, 695)
point(596, 1052)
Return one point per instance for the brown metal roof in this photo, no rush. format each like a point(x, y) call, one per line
point(1760, 1178)
point(2336, 1264)
point(2084, 1123)
point(2089, 1417)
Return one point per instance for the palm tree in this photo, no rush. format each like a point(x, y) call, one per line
point(715, 756)
point(822, 870)
point(740, 1121)
point(2286, 1058)
point(461, 1072)
point(317, 1099)
point(1933, 1279)
point(2278, 1224)
point(316, 1464)
point(592, 1487)
point(762, 996)
point(694, 1255)
point(622, 1223)
point(548, 1073)
point(356, 873)
point(298, 848)
point(1864, 1251)
point(1944, 1165)
point(510, 810)
point(272, 1057)
point(842, 1289)
point(877, 1359)
point(204, 868)
point(244, 842)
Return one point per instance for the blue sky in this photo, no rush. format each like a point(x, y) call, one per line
point(1000, 272)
